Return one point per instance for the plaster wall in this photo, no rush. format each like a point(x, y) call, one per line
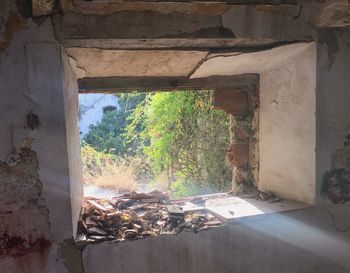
point(287, 125)
point(71, 108)
point(31, 79)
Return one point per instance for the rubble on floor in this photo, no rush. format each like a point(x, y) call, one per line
point(138, 215)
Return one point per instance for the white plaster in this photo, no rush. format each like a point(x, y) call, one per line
point(71, 108)
point(287, 139)
point(255, 62)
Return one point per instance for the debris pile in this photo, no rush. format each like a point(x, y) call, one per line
point(138, 215)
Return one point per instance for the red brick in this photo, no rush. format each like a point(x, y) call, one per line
point(238, 155)
point(232, 101)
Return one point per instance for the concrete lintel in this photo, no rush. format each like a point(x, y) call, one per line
point(148, 84)
point(174, 43)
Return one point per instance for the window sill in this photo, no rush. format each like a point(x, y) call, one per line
point(233, 209)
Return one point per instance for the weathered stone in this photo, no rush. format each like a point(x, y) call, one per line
point(232, 101)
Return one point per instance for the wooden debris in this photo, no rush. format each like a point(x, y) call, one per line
point(138, 215)
point(97, 205)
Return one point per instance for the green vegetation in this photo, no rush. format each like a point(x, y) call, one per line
point(107, 135)
point(179, 137)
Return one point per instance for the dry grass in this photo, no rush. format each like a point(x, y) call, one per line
point(106, 171)
point(120, 182)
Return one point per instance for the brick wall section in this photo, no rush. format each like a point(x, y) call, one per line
point(242, 105)
point(232, 101)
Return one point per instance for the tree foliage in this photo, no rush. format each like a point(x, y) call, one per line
point(107, 135)
point(179, 135)
point(184, 136)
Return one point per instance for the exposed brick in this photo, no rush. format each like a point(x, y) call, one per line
point(238, 155)
point(232, 101)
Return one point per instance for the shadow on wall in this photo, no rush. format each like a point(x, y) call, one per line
point(336, 182)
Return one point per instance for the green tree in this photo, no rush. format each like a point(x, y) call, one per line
point(107, 135)
point(185, 137)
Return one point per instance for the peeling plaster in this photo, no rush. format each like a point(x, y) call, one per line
point(23, 215)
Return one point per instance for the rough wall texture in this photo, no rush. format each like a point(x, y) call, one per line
point(35, 193)
point(22, 210)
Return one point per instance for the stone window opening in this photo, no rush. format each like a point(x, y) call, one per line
point(244, 200)
point(272, 133)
